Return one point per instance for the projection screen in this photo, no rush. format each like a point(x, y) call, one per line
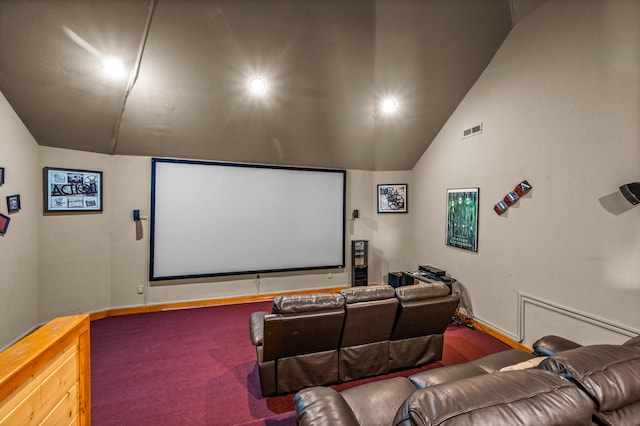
point(210, 218)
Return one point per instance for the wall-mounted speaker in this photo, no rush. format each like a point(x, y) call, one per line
point(631, 192)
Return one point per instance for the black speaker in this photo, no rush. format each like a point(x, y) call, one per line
point(631, 192)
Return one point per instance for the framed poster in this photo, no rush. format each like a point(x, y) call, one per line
point(71, 190)
point(392, 198)
point(462, 218)
point(4, 223)
point(13, 203)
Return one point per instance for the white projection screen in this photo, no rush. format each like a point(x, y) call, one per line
point(210, 219)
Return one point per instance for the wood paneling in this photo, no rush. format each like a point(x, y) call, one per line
point(45, 378)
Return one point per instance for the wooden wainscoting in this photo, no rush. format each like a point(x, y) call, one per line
point(45, 377)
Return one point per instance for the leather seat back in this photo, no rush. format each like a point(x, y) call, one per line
point(425, 309)
point(370, 314)
point(609, 374)
point(527, 397)
point(303, 324)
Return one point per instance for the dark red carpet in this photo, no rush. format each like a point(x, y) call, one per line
point(198, 367)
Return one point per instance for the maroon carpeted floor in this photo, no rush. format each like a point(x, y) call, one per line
point(198, 367)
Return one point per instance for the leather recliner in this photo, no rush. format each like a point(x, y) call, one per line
point(423, 316)
point(572, 385)
point(369, 316)
point(297, 344)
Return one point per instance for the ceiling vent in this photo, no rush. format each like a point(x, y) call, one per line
point(472, 131)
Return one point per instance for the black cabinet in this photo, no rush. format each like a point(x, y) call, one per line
point(359, 262)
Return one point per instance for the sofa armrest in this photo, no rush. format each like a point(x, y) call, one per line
point(549, 345)
point(633, 342)
point(323, 406)
point(256, 327)
point(376, 403)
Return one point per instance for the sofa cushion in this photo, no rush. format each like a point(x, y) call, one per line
point(610, 374)
point(527, 397)
point(368, 293)
point(298, 303)
point(421, 291)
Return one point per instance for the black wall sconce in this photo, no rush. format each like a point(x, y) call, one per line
point(631, 192)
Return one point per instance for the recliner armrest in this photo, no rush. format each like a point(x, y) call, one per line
point(376, 403)
point(549, 345)
point(635, 341)
point(256, 327)
point(320, 405)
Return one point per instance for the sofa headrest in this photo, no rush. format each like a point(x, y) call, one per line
point(368, 293)
point(526, 397)
point(421, 291)
point(610, 374)
point(297, 303)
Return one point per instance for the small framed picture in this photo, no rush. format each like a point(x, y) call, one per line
point(392, 198)
point(1, 175)
point(4, 223)
point(13, 203)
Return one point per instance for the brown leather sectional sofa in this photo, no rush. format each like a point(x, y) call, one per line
point(318, 339)
point(561, 383)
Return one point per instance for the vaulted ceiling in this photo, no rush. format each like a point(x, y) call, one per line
point(327, 64)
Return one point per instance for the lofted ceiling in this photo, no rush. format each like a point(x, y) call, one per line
point(327, 65)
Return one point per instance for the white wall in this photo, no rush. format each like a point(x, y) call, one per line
point(559, 104)
point(92, 262)
point(75, 253)
point(19, 246)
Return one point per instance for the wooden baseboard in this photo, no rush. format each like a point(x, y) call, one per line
point(491, 332)
point(501, 337)
point(201, 303)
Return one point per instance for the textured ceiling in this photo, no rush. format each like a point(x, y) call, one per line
point(327, 64)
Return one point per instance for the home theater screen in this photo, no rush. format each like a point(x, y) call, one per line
point(211, 218)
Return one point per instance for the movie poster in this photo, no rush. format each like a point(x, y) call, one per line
point(462, 218)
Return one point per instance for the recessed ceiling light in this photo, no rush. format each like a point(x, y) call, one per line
point(257, 85)
point(113, 66)
point(389, 105)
